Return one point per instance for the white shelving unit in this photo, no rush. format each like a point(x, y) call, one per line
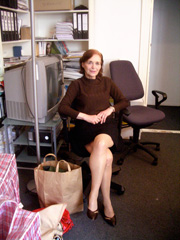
point(44, 29)
point(49, 20)
point(7, 46)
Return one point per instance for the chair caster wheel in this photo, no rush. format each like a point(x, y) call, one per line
point(157, 148)
point(120, 161)
point(121, 190)
point(155, 162)
point(115, 173)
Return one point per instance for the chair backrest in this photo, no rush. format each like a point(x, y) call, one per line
point(126, 78)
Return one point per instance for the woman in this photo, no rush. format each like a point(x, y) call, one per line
point(95, 129)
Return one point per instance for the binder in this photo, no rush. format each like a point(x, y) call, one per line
point(6, 26)
point(75, 27)
point(85, 25)
point(3, 33)
point(12, 4)
point(10, 35)
point(12, 26)
point(1, 3)
point(79, 23)
point(16, 26)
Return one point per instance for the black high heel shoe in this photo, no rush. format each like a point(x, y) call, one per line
point(92, 214)
point(110, 221)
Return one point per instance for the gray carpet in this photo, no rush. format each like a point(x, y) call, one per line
point(172, 120)
point(150, 207)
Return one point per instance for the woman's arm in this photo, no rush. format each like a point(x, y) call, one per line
point(120, 102)
point(65, 107)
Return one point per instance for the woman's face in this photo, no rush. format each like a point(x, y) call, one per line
point(92, 66)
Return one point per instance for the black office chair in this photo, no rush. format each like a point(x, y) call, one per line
point(79, 158)
point(138, 117)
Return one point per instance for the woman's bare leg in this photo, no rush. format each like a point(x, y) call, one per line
point(106, 185)
point(100, 163)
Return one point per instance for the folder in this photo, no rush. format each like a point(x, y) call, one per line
point(79, 23)
point(85, 25)
point(75, 27)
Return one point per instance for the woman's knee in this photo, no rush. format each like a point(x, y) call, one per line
point(102, 142)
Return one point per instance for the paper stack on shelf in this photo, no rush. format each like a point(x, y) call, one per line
point(64, 31)
point(22, 4)
point(72, 66)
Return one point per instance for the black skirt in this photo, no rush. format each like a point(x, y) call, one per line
point(84, 133)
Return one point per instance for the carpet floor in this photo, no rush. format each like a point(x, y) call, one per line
point(150, 207)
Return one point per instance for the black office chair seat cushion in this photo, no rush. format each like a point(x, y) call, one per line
point(141, 116)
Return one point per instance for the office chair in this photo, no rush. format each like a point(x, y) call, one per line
point(79, 156)
point(138, 117)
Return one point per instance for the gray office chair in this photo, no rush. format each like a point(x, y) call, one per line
point(138, 117)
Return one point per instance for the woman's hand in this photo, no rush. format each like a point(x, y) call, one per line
point(94, 119)
point(104, 114)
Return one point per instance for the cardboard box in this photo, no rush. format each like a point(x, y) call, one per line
point(50, 5)
point(25, 33)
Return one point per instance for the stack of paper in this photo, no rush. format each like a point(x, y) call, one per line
point(64, 31)
point(72, 66)
point(23, 4)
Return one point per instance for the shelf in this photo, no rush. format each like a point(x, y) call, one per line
point(25, 158)
point(49, 124)
point(23, 140)
point(14, 65)
point(14, 9)
point(57, 40)
point(16, 41)
point(61, 11)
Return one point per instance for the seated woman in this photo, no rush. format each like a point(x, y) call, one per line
point(96, 130)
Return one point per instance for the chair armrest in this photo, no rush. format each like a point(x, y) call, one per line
point(126, 112)
point(65, 128)
point(120, 118)
point(156, 93)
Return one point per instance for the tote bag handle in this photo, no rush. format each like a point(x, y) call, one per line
point(50, 154)
point(63, 161)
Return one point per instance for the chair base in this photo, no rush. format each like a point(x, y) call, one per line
point(118, 188)
point(133, 148)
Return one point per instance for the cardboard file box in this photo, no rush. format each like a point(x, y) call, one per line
point(25, 33)
point(51, 5)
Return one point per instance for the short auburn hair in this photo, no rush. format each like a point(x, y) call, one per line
point(87, 55)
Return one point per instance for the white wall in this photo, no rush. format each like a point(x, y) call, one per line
point(116, 30)
point(165, 55)
point(121, 29)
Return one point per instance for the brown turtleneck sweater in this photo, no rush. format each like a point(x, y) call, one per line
point(91, 96)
